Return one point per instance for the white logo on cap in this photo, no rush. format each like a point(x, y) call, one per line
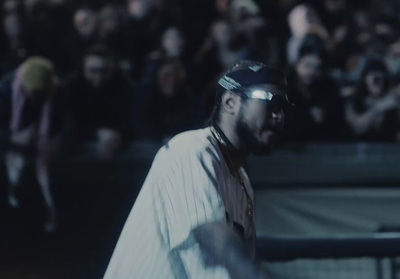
point(255, 68)
point(229, 83)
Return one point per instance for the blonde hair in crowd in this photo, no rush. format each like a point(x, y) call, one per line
point(37, 75)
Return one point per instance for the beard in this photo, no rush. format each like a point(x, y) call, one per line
point(248, 139)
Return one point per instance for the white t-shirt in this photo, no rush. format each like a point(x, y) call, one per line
point(189, 184)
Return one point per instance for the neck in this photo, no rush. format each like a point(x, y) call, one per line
point(238, 152)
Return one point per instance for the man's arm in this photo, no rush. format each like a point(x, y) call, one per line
point(221, 246)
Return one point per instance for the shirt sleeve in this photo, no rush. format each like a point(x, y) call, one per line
point(188, 196)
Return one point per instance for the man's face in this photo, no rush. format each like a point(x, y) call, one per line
point(10, 6)
point(170, 79)
point(173, 42)
point(98, 70)
point(139, 8)
point(260, 122)
point(309, 68)
point(85, 22)
point(222, 6)
point(12, 25)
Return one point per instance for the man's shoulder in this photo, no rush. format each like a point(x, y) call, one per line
point(195, 143)
point(189, 141)
point(192, 153)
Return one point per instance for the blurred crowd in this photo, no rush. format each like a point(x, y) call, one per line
point(110, 72)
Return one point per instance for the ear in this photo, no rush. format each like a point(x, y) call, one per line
point(231, 102)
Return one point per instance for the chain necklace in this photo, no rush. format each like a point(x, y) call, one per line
point(227, 148)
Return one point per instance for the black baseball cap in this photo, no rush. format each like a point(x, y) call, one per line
point(247, 77)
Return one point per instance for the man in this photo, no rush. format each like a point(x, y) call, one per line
point(194, 216)
point(34, 124)
point(101, 101)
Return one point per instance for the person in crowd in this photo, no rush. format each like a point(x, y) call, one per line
point(334, 13)
point(85, 22)
point(46, 26)
point(231, 39)
point(257, 31)
point(372, 111)
point(172, 42)
point(34, 125)
point(222, 8)
point(147, 21)
point(220, 49)
point(303, 20)
point(251, 30)
point(170, 106)
point(236, 36)
point(351, 42)
point(13, 51)
point(83, 35)
point(171, 47)
point(392, 60)
point(12, 6)
point(318, 108)
point(112, 29)
point(171, 50)
point(245, 18)
point(101, 99)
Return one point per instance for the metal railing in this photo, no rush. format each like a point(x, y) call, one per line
point(365, 256)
